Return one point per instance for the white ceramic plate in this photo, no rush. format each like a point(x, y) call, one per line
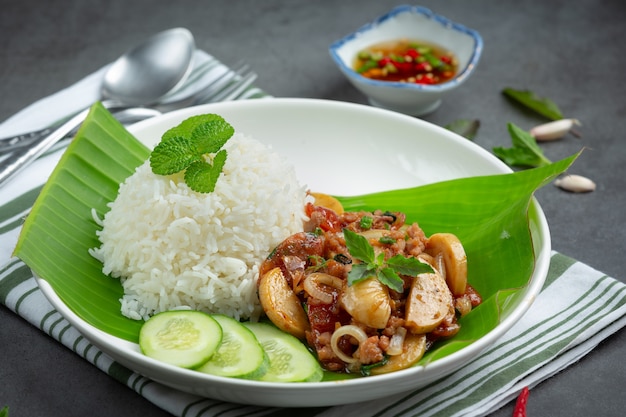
point(343, 149)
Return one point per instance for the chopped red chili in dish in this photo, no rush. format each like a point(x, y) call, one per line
point(407, 61)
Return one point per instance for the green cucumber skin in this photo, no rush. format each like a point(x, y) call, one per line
point(303, 366)
point(209, 337)
point(253, 362)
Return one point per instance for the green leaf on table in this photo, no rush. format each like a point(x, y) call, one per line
point(468, 128)
point(531, 101)
point(525, 151)
point(494, 216)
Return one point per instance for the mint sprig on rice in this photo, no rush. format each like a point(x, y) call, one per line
point(195, 147)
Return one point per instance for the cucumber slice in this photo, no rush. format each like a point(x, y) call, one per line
point(290, 360)
point(240, 355)
point(184, 338)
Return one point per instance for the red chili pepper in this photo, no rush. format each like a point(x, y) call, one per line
point(425, 79)
point(413, 53)
point(383, 62)
point(520, 404)
point(445, 59)
point(403, 66)
point(423, 67)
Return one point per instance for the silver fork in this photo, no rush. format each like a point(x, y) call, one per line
point(227, 87)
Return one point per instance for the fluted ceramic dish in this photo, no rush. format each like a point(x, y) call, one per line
point(413, 23)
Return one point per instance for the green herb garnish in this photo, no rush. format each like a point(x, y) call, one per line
point(468, 128)
point(186, 148)
point(541, 105)
point(366, 370)
point(525, 150)
point(366, 222)
point(372, 265)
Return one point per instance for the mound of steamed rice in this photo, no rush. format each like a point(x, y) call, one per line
point(174, 248)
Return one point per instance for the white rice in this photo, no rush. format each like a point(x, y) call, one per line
point(174, 248)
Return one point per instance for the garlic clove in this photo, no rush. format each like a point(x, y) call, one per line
point(553, 130)
point(575, 183)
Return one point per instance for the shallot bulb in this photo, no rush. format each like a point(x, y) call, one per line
point(575, 183)
point(553, 130)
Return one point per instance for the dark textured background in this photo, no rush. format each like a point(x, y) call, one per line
point(570, 51)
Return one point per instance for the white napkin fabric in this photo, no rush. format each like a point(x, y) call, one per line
point(85, 92)
point(577, 308)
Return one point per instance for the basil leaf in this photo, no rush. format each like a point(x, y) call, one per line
point(390, 278)
point(408, 266)
point(528, 99)
point(359, 247)
point(360, 272)
point(468, 128)
point(525, 151)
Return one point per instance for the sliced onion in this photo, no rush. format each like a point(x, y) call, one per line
point(396, 344)
point(347, 330)
point(314, 282)
point(463, 305)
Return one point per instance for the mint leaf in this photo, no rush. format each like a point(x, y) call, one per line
point(525, 150)
point(540, 105)
point(390, 278)
point(408, 266)
point(360, 272)
point(359, 247)
point(202, 177)
point(210, 136)
point(219, 161)
point(187, 126)
point(185, 148)
point(172, 156)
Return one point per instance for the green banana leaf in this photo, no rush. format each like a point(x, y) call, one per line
point(489, 214)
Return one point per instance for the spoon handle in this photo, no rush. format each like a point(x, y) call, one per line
point(23, 157)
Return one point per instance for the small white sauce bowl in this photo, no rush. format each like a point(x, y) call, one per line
point(415, 23)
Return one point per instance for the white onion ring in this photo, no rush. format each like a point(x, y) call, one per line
point(396, 344)
point(313, 286)
point(347, 330)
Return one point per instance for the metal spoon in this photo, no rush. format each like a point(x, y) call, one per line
point(140, 77)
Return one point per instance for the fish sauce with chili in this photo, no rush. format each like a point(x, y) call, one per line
point(407, 61)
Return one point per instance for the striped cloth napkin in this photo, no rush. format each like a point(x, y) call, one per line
point(583, 304)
